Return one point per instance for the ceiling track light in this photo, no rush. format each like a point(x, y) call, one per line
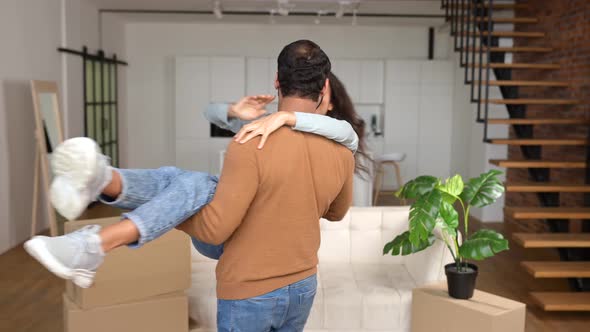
point(320, 13)
point(283, 7)
point(342, 6)
point(272, 14)
point(217, 11)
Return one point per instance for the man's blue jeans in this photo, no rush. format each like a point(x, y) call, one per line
point(161, 199)
point(283, 310)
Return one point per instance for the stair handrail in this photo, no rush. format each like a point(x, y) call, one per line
point(480, 69)
point(489, 55)
point(460, 32)
point(466, 46)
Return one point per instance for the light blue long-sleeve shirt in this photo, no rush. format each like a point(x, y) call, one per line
point(337, 130)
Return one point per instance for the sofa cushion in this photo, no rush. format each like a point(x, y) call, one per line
point(365, 296)
point(365, 236)
point(361, 235)
point(335, 240)
point(202, 299)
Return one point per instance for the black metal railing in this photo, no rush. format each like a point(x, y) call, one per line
point(490, 10)
point(472, 25)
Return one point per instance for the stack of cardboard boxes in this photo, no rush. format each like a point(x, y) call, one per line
point(139, 290)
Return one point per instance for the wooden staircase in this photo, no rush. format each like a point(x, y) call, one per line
point(473, 24)
point(541, 66)
point(498, 49)
point(526, 83)
point(552, 240)
point(546, 187)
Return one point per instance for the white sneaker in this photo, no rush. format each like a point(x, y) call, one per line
point(74, 256)
point(81, 173)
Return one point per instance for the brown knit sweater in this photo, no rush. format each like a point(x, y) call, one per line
point(267, 208)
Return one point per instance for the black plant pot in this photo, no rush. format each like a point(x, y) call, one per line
point(461, 283)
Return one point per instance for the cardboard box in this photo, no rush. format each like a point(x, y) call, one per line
point(434, 310)
point(163, 313)
point(159, 267)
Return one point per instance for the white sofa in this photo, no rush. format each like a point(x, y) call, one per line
point(359, 289)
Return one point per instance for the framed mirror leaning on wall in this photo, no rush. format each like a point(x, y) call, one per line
point(48, 134)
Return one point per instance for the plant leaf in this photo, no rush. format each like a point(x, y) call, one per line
point(450, 218)
point(418, 187)
point(483, 190)
point(483, 244)
point(452, 188)
point(423, 215)
point(402, 245)
point(389, 245)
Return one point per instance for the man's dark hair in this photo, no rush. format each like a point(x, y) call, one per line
point(303, 69)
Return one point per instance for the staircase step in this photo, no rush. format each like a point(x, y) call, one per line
point(557, 269)
point(519, 101)
point(546, 187)
point(560, 121)
point(562, 301)
point(511, 49)
point(496, 6)
point(552, 240)
point(506, 34)
point(537, 163)
point(527, 83)
point(523, 213)
point(500, 20)
point(540, 141)
point(543, 66)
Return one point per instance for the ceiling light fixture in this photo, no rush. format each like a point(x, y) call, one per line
point(217, 9)
point(272, 12)
point(283, 7)
point(342, 6)
point(320, 13)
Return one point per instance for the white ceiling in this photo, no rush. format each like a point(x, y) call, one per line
point(415, 7)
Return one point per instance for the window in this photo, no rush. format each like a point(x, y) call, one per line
point(101, 103)
point(101, 106)
point(216, 131)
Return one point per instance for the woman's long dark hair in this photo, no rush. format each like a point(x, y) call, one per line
point(344, 110)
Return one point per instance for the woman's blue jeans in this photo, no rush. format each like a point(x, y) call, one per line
point(161, 199)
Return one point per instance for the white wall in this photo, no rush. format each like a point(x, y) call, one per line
point(30, 33)
point(470, 155)
point(5, 232)
point(418, 116)
point(152, 47)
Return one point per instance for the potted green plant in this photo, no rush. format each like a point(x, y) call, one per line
point(433, 214)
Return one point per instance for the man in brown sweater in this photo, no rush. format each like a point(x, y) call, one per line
point(267, 207)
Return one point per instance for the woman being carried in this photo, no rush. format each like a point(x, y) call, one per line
point(161, 199)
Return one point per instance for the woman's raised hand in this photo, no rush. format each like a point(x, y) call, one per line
point(250, 107)
point(265, 126)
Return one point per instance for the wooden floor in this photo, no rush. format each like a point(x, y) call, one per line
point(30, 297)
